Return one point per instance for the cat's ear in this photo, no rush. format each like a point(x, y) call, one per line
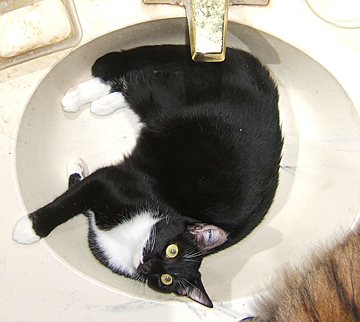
point(196, 291)
point(208, 236)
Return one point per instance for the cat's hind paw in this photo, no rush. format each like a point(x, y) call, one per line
point(24, 233)
point(108, 104)
point(72, 101)
point(79, 95)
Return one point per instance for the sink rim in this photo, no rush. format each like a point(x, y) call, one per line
point(165, 298)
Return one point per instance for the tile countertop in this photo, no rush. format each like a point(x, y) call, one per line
point(35, 286)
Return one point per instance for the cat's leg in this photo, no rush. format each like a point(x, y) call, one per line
point(74, 201)
point(108, 104)
point(24, 233)
point(76, 97)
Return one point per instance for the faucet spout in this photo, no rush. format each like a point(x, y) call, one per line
point(207, 21)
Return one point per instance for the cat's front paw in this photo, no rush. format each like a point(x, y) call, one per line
point(24, 233)
point(78, 166)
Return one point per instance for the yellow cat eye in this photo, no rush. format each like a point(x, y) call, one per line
point(172, 251)
point(166, 279)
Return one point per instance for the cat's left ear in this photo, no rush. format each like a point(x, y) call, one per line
point(208, 236)
point(196, 291)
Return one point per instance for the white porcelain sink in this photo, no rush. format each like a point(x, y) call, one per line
point(319, 186)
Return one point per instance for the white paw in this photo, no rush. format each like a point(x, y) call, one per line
point(108, 104)
point(79, 166)
point(79, 95)
point(72, 102)
point(23, 232)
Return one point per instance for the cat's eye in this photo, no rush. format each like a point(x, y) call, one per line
point(172, 251)
point(166, 279)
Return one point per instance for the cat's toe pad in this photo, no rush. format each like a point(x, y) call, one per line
point(79, 166)
point(23, 232)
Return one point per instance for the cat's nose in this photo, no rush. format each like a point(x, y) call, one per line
point(145, 268)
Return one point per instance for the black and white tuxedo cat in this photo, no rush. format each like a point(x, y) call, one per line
point(202, 175)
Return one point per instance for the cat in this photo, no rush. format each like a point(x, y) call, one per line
point(201, 177)
point(326, 288)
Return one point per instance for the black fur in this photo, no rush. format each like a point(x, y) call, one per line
point(209, 152)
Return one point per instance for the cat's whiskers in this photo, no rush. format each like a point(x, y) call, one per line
point(193, 254)
point(150, 245)
point(153, 238)
point(139, 277)
point(167, 219)
point(190, 260)
point(182, 283)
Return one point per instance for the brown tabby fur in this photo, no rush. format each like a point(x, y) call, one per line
point(327, 289)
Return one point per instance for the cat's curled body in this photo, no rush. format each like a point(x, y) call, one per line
point(202, 175)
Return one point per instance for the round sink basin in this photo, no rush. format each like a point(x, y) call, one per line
point(319, 188)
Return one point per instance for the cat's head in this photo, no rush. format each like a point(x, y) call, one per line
point(174, 253)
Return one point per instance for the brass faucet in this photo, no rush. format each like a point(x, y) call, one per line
point(207, 20)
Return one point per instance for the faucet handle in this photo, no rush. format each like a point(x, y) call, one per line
point(207, 21)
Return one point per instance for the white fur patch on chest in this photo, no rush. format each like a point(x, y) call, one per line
point(123, 245)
